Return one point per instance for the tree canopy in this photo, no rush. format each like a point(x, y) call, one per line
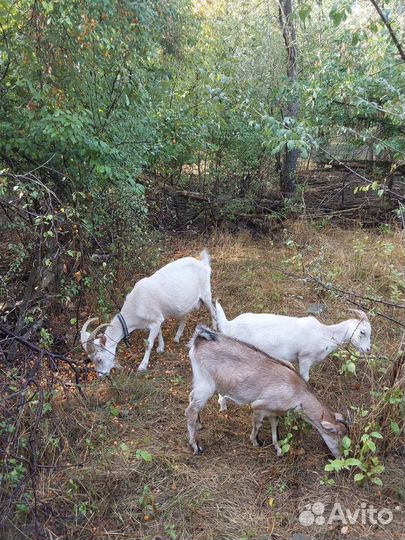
point(115, 116)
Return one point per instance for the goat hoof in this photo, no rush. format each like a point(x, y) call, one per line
point(176, 340)
point(257, 443)
point(198, 450)
point(142, 369)
point(159, 350)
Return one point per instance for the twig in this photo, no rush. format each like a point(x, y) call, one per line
point(357, 304)
point(350, 293)
point(390, 30)
point(44, 352)
point(367, 180)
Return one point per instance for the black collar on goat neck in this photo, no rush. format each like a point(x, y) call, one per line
point(124, 329)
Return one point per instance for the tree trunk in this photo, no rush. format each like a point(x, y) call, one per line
point(290, 157)
point(288, 172)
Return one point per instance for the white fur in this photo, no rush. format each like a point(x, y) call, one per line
point(173, 291)
point(296, 339)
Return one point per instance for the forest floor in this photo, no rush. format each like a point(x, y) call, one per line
point(126, 469)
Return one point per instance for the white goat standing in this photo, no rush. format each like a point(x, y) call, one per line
point(302, 339)
point(173, 291)
point(248, 375)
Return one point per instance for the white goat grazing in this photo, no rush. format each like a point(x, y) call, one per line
point(247, 375)
point(173, 291)
point(302, 339)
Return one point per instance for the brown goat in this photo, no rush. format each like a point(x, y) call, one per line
point(247, 375)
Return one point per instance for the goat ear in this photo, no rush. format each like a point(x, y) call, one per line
point(103, 340)
point(328, 426)
point(361, 315)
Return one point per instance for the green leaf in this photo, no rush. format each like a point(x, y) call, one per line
point(144, 455)
point(47, 408)
point(337, 16)
point(304, 13)
point(378, 469)
point(115, 411)
point(335, 465)
point(356, 38)
point(395, 428)
point(285, 448)
point(353, 462)
point(371, 445)
point(376, 435)
point(291, 144)
point(23, 508)
point(376, 481)
point(359, 477)
point(346, 442)
point(351, 367)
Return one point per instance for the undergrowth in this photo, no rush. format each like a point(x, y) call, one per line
point(114, 462)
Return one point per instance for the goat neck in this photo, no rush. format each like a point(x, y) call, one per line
point(114, 334)
point(339, 334)
point(313, 409)
point(316, 413)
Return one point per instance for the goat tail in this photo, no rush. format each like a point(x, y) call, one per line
point(205, 258)
point(201, 332)
point(221, 317)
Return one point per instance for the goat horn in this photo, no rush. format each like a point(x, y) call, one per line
point(93, 334)
point(85, 336)
point(360, 314)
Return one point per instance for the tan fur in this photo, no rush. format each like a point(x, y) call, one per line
point(247, 375)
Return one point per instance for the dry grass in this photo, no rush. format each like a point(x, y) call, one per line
point(233, 491)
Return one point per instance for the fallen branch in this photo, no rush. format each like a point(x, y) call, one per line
point(192, 195)
point(186, 193)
